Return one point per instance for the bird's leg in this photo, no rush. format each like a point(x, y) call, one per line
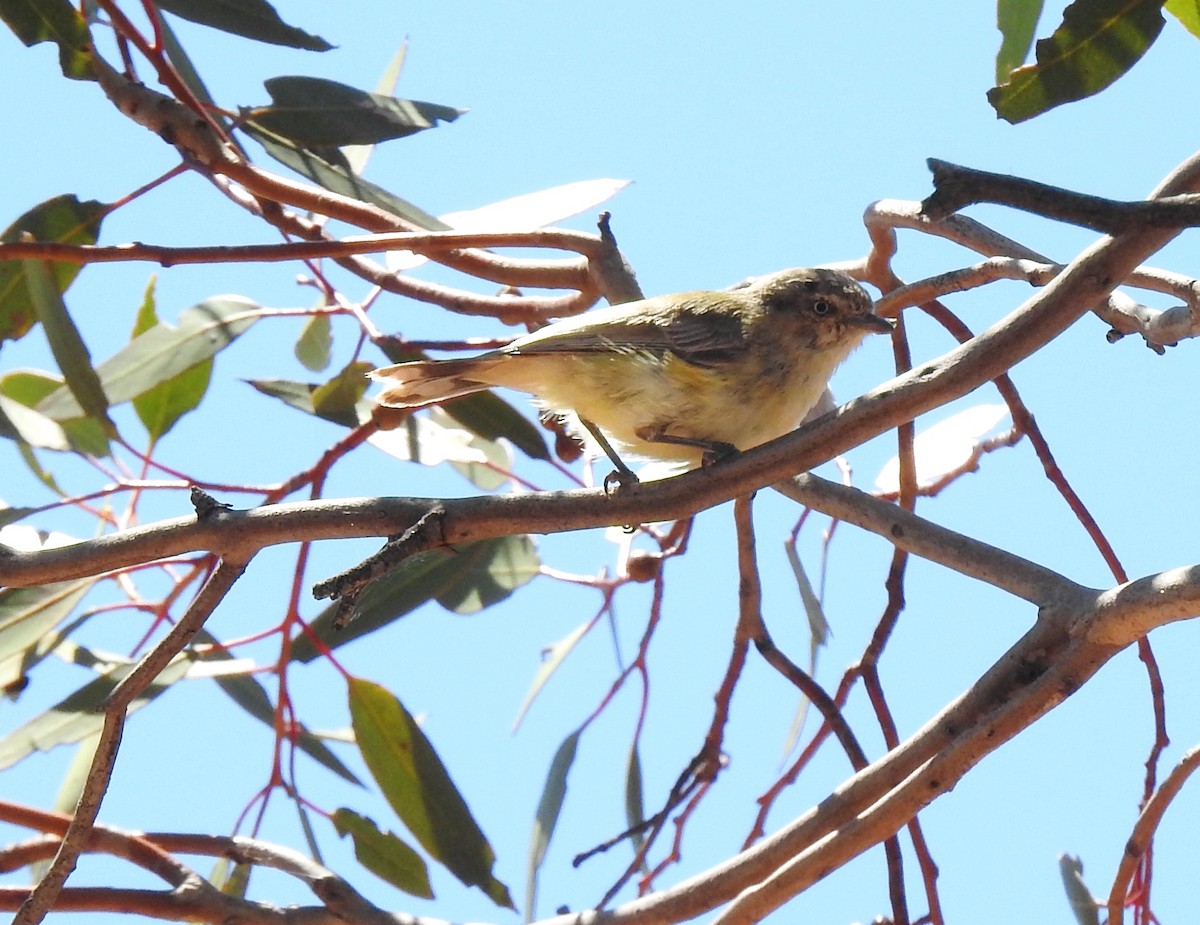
point(614, 481)
point(714, 450)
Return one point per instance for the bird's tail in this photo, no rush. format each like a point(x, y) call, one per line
point(427, 382)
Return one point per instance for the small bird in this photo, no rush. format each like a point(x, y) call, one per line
point(685, 378)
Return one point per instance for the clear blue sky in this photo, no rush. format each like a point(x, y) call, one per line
point(754, 142)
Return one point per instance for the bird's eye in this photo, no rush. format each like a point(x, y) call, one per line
point(821, 308)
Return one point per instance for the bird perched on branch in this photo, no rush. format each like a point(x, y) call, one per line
point(686, 378)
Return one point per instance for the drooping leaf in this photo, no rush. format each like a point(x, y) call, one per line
point(63, 219)
point(252, 19)
point(1187, 12)
point(819, 632)
point(327, 170)
point(418, 579)
point(1097, 42)
point(1017, 21)
point(554, 791)
point(314, 346)
point(34, 21)
point(164, 351)
point(83, 385)
point(77, 716)
point(416, 784)
point(384, 854)
point(315, 112)
point(1083, 904)
point(635, 810)
point(552, 657)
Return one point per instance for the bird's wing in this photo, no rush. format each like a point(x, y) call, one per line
point(696, 333)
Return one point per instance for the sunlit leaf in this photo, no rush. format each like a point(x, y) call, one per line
point(1097, 42)
point(339, 399)
point(526, 212)
point(417, 786)
point(1187, 12)
point(384, 854)
point(304, 396)
point(78, 716)
point(316, 112)
point(1017, 21)
point(552, 656)
point(252, 19)
point(554, 791)
point(63, 219)
point(434, 438)
point(314, 346)
point(20, 423)
point(34, 21)
point(944, 448)
point(164, 351)
point(413, 582)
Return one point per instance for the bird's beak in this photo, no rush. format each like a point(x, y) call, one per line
point(873, 323)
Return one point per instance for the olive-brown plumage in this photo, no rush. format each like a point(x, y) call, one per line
point(675, 377)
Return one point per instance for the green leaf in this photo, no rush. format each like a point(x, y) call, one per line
point(57, 21)
point(314, 346)
point(416, 580)
point(252, 19)
point(160, 407)
point(63, 219)
point(334, 400)
point(1017, 21)
point(164, 351)
point(70, 352)
point(491, 417)
point(1098, 41)
point(417, 786)
point(492, 571)
point(316, 112)
point(1187, 12)
point(76, 717)
point(358, 155)
point(819, 633)
point(545, 820)
point(338, 399)
point(337, 177)
point(28, 619)
point(384, 854)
